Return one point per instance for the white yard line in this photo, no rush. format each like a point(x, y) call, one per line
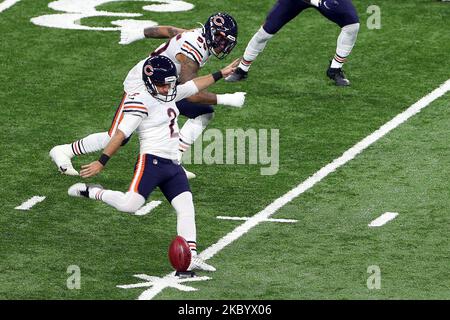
point(311, 181)
point(27, 205)
point(147, 208)
point(246, 218)
point(7, 4)
point(383, 219)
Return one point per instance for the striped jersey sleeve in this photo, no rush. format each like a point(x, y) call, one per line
point(135, 108)
point(194, 47)
point(134, 112)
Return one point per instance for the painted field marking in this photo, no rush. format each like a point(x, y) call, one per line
point(7, 4)
point(267, 220)
point(171, 281)
point(383, 219)
point(69, 13)
point(27, 205)
point(312, 180)
point(147, 208)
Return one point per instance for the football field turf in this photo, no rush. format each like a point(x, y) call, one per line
point(58, 85)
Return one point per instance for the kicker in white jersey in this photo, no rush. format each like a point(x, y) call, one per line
point(154, 121)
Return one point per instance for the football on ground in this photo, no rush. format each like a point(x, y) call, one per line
point(179, 254)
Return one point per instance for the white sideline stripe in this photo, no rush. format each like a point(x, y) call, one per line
point(383, 219)
point(27, 205)
point(315, 178)
point(7, 4)
point(147, 208)
point(246, 218)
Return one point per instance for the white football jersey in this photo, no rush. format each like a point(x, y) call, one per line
point(192, 44)
point(155, 121)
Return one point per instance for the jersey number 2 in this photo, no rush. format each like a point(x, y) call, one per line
point(172, 115)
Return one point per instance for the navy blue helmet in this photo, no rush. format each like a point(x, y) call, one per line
point(160, 70)
point(221, 34)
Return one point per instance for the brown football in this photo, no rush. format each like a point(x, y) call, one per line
point(179, 254)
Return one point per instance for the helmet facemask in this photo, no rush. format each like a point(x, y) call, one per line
point(224, 42)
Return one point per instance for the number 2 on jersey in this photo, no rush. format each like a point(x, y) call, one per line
point(172, 115)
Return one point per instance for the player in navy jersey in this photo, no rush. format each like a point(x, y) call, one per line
point(341, 12)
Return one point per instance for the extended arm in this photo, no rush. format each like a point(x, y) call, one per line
point(129, 35)
point(189, 70)
point(205, 81)
point(161, 32)
point(111, 148)
point(127, 126)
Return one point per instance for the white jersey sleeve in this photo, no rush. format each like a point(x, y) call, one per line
point(193, 46)
point(134, 112)
point(186, 90)
point(129, 124)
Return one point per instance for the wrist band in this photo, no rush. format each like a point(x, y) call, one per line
point(217, 76)
point(103, 159)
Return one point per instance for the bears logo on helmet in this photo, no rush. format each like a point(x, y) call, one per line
point(220, 31)
point(218, 21)
point(148, 70)
point(160, 71)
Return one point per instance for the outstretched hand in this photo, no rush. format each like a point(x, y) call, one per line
point(230, 68)
point(90, 170)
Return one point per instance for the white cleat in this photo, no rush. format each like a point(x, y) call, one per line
point(189, 175)
point(81, 189)
point(61, 156)
point(197, 263)
point(78, 190)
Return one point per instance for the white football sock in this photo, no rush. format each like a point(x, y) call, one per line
point(126, 202)
point(345, 43)
point(91, 143)
point(184, 206)
point(254, 48)
point(68, 150)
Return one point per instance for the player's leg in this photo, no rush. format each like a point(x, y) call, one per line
point(199, 117)
point(346, 17)
point(62, 154)
point(281, 13)
point(146, 178)
point(177, 192)
point(125, 202)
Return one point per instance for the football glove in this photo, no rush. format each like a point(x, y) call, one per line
point(236, 99)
